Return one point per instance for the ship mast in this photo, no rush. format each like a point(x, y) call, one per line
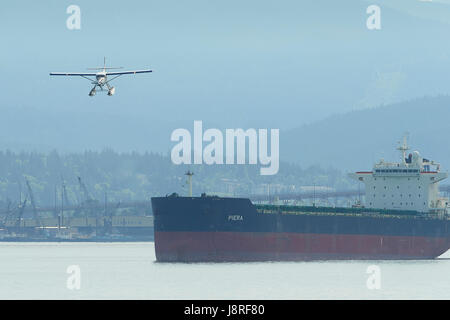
point(403, 148)
point(189, 174)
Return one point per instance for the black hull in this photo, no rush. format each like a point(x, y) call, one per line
point(231, 229)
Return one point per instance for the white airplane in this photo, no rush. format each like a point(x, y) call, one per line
point(101, 78)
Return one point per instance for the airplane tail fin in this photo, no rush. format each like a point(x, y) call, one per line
point(104, 68)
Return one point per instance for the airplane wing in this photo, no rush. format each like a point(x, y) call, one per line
point(127, 72)
point(72, 74)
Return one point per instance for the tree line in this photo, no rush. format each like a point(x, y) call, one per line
point(139, 176)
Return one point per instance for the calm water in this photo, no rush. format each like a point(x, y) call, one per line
point(129, 271)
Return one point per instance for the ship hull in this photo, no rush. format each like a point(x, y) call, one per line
point(221, 229)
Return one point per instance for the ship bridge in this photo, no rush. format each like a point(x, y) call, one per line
point(412, 184)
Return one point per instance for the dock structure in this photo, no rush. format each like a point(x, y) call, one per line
point(131, 219)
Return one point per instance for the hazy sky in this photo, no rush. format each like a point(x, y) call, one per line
point(276, 64)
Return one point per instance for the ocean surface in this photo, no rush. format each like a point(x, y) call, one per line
point(130, 271)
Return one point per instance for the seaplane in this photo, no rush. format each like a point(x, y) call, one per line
point(101, 77)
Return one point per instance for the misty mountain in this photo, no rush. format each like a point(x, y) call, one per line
point(355, 140)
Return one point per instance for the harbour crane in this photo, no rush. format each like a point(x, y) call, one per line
point(85, 191)
point(33, 203)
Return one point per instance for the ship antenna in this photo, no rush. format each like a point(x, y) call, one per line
point(404, 147)
point(189, 174)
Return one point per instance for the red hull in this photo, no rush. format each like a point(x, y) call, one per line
point(258, 246)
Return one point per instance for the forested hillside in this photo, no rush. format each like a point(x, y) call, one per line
point(135, 176)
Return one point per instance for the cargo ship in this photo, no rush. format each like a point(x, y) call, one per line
point(403, 218)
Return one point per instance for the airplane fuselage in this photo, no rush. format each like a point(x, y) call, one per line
point(101, 78)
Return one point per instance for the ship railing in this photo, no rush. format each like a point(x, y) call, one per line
point(366, 212)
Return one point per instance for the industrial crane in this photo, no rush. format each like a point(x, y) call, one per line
point(33, 203)
point(21, 209)
point(83, 188)
point(7, 212)
point(30, 193)
point(89, 202)
point(64, 191)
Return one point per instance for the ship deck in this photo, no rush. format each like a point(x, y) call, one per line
point(343, 211)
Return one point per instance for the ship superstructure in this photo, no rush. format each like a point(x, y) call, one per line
point(411, 184)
